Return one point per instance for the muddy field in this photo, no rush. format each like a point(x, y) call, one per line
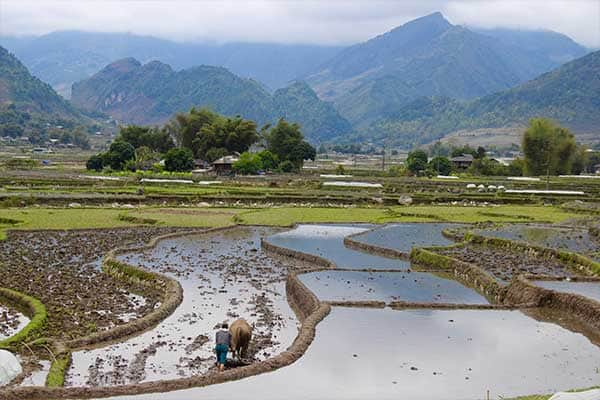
point(418, 354)
point(62, 269)
point(11, 321)
point(504, 264)
point(224, 276)
point(560, 238)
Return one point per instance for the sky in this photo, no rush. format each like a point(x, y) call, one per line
point(338, 22)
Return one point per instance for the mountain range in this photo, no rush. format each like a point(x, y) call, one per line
point(569, 94)
point(416, 83)
point(151, 93)
point(431, 57)
point(28, 103)
point(64, 57)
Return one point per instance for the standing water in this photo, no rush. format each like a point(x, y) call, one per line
point(421, 355)
point(224, 276)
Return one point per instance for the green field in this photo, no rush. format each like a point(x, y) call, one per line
point(77, 218)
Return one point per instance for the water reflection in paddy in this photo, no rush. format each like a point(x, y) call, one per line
point(327, 241)
point(587, 289)
point(223, 275)
point(422, 354)
point(11, 321)
point(403, 237)
point(413, 286)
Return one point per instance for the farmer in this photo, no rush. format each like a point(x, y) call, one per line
point(223, 340)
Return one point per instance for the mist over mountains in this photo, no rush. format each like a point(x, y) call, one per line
point(413, 84)
point(62, 58)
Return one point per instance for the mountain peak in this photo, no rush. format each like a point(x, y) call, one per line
point(435, 16)
point(435, 19)
point(124, 65)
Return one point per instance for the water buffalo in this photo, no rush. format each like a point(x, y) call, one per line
point(241, 334)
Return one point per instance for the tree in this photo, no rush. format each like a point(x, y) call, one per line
point(179, 160)
point(441, 165)
point(157, 140)
point(287, 142)
point(466, 149)
point(516, 167)
point(581, 160)
point(269, 160)
point(248, 164)
point(185, 126)
point(287, 166)
point(118, 154)
point(416, 161)
point(215, 153)
point(232, 134)
point(145, 158)
point(548, 148)
point(480, 153)
point(95, 163)
point(488, 167)
point(439, 149)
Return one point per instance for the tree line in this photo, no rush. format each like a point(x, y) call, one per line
point(547, 149)
point(202, 134)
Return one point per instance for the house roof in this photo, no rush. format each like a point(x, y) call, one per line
point(462, 158)
point(226, 160)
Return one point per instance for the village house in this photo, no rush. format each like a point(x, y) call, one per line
point(463, 161)
point(224, 165)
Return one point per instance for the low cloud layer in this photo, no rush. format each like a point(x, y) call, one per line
point(291, 21)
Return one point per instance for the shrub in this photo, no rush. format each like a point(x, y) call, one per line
point(416, 161)
point(118, 154)
point(95, 163)
point(441, 165)
point(248, 164)
point(179, 159)
point(269, 160)
point(286, 166)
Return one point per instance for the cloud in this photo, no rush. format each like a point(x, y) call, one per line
point(291, 21)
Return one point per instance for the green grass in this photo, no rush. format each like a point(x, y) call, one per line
point(286, 216)
point(73, 218)
point(36, 324)
point(58, 370)
point(64, 218)
point(201, 218)
point(504, 213)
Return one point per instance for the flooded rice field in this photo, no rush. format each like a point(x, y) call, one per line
point(327, 241)
point(38, 376)
point(571, 239)
point(224, 276)
point(421, 354)
point(415, 287)
point(357, 353)
point(586, 289)
point(61, 269)
point(403, 237)
point(11, 321)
